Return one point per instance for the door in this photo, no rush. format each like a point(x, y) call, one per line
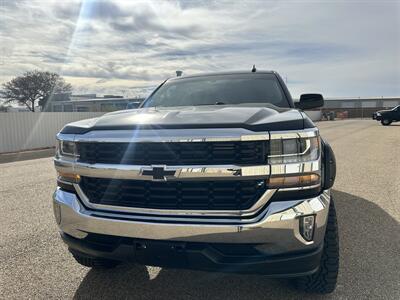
point(396, 113)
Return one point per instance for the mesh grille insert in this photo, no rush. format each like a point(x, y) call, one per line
point(185, 195)
point(195, 153)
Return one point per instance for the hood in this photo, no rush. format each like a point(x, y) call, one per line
point(252, 118)
point(383, 111)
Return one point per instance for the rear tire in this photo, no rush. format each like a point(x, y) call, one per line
point(386, 122)
point(92, 262)
point(324, 280)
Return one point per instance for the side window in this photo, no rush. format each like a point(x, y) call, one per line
point(397, 112)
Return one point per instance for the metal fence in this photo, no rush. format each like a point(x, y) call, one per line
point(359, 112)
point(26, 131)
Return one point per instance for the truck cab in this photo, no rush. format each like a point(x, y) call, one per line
point(387, 117)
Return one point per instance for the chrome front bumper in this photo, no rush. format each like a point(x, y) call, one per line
point(277, 231)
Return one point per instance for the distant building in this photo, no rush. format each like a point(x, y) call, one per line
point(88, 102)
point(81, 97)
point(359, 107)
point(61, 97)
point(362, 102)
point(112, 96)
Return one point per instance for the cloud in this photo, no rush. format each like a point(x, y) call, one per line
point(89, 9)
point(147, 21)
point(337, 48)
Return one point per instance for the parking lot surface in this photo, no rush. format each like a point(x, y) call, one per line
point(34, 263)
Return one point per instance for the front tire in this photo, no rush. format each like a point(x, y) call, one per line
point(324, 280)
point(386, 122)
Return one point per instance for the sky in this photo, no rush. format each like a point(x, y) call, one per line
point(337, 48)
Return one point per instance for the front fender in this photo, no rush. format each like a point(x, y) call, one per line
point(328, 165)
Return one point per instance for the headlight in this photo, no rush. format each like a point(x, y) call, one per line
point(378, 114)
point(295, 160)
point(294, 150)
point(67, 148)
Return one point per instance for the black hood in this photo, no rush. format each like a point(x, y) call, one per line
point(383, 111)
point(252, 118)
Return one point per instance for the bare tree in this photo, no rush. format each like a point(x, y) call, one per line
point(34, 87)
point(3, 108)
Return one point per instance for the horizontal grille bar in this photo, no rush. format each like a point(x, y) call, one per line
point(209, 153)
point(179, 195)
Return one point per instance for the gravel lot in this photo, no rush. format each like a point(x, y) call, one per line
point(34, 263)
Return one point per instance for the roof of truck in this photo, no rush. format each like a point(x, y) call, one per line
point(222, 73)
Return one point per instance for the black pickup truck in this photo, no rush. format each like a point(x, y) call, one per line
point(387, 116)
point(218, 172)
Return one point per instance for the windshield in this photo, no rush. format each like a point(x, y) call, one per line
point(219, 90)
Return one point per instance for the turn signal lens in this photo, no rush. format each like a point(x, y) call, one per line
point(69, 177)
point(57, 212)
point(294, 181)
point(307, 227)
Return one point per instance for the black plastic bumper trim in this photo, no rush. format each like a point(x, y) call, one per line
point(198, 256)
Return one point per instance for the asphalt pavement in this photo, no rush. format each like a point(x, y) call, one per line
point(35, 264)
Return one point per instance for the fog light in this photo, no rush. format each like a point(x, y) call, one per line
point(307, 227)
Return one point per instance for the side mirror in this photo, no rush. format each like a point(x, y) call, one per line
point(308, 101)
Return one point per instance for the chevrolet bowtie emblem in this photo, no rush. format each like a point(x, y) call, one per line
point(159, 173)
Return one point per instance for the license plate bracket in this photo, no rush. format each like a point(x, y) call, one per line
point(161, 253)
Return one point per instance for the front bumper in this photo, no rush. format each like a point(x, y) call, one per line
point(275, 235)
point(237, 258)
